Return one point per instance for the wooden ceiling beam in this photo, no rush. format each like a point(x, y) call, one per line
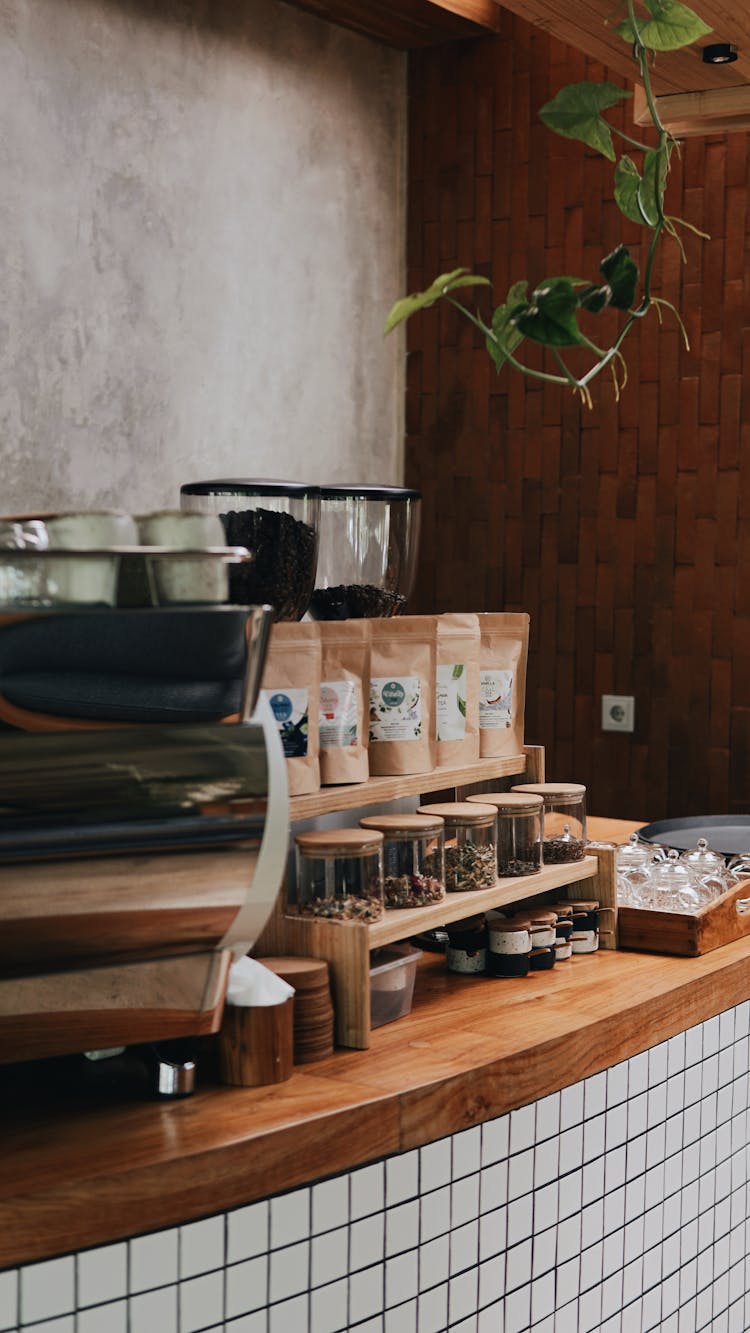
point(710, 111)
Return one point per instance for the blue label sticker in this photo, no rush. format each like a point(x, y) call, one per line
point(281, 706)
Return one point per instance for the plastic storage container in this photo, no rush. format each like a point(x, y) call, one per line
point(278, 523)
point(520, 826)
point(369, 538)
point(470, 844)
point(413, 858)
point(392, 974)
point(339, 875)
point(564, 819)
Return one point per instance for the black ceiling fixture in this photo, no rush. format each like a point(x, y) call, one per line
point(720, 53)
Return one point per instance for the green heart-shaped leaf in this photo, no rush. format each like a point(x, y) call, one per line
point(671, 26)
point(551, 317)
point(594, 298)
point(575, 113)
point(445, 283)
point(627, 184)
point(506, 337)
point(621, 275)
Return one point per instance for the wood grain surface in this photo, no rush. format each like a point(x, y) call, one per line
point(623, 530)
point(80, 1168)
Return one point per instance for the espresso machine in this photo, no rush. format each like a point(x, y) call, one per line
point(143, 823)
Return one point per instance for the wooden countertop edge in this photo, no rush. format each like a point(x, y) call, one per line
point(83, 1177)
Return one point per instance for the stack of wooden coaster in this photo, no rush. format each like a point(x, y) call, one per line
point(313, 1010)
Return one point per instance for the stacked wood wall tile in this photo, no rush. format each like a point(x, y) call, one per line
point(623, 530)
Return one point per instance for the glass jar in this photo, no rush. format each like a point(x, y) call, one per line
point(339, 875)
point(564, 819)
point(470, 844)
point(278, 523)
point(369, 537)
point(520, 824)
point(413, 859)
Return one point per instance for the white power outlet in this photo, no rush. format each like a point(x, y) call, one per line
point(618, 712)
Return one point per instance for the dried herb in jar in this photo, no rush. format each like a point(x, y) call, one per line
point(468, 866)
point(348, 907)
point(412, 890)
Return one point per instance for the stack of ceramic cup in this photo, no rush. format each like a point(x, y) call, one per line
point(313, 1010)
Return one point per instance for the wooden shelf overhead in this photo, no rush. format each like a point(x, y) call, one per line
point(709, 111)
point(409, 24)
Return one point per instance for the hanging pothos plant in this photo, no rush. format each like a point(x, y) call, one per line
point(550, 315)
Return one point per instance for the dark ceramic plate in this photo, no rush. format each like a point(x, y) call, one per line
point(728, 834)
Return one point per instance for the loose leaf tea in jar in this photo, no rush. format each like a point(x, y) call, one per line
point(564, 819)
point(470, 844)
point(413, 874)
point(339, 875)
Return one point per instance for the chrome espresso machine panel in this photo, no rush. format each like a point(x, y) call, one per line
point(143, 821)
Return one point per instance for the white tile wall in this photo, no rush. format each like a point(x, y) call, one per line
point(618, 1205)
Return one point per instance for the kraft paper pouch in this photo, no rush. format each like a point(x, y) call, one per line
point(457, 689)
point(345, 675)
point(503, 655)
point(291, 684)
point(402, 695)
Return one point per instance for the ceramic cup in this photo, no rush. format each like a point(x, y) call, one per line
point(182, 579)
point(81, 578)
point(23, 578)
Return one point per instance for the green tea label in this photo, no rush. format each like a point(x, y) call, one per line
point(395, 708)
point(495, 699)
point(290, 708)
point(338, 714)
point(450, 702)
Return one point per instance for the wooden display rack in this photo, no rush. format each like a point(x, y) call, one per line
point(347, 945)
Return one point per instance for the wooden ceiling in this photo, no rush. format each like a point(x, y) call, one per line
point(584, 25)
point(720, 93)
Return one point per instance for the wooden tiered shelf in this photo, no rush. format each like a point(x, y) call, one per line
point(347, 945)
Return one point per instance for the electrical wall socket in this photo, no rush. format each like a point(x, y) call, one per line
point(618, 712)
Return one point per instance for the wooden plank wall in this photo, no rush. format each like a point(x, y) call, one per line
point(624, 531)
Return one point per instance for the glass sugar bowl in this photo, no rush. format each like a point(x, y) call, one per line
point(633, 860)
point(520, 825)
point(710, 868)
point(339, 875)
point(413, 858)
point(564, 819)
point(470, 844)
point(674, 887)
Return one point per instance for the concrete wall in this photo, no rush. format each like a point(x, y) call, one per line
point(201, 223)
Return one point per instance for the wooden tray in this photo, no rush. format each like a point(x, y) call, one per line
point(726, 919)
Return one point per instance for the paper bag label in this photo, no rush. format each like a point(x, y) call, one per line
point(290, 708)
point(495, 699)
point(395, 708)
point(338, 714)
point(450, 702)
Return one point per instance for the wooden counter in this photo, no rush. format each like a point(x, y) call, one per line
point(80, 1168)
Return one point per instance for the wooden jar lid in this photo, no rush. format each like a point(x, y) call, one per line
point(542, 918)
point(552, 791)
point(460, 812)
point(498, 922)
point(515, 801)
point(302, 973)
point(411, 824)
point(344, 841)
